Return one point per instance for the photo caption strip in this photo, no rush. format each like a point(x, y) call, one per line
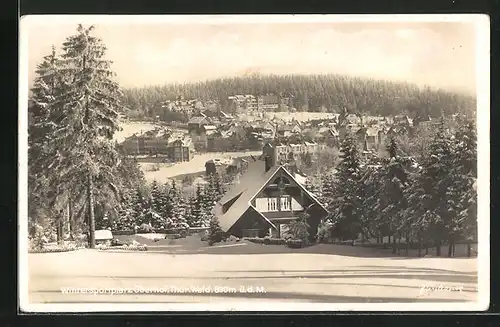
point(209, 289)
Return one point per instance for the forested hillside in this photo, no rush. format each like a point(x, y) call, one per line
point(329, 93)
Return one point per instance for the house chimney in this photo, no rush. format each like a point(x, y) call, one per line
point(268, 163)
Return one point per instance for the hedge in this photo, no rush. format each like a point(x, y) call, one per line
point(295, 244)
point(338, 242)
point(266, 240)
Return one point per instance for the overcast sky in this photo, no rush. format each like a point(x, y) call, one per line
point(441, 55)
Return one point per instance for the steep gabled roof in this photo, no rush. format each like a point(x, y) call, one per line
point(197, 120)
point(247, 187)
point(242, 193)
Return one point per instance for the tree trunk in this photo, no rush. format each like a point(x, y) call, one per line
point(426, 248)
point(407, 243)
point(438, 248)
point(58, 229)
point(70, 219)
point(450, 249)
point(468, 250)
point(399, 245)
point(393, 245)
point(90, 200)
point(419, 246)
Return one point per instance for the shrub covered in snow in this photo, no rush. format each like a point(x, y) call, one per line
point(232, 239)
point(64, 247)
point(323, 235)
point(134, 246)
point(267, 240)
point(144, 228)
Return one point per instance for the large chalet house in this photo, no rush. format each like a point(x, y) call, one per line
point(177, 148)
point(264, 200)
point(148, 143)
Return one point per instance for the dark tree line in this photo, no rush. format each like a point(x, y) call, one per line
point(162, 207)
point(329, 93)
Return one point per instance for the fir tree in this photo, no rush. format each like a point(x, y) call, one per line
point(392, 147)
point(215, 232)
point(345, 207)
point(166, 205)
point(140, 207)
point(393, 200)
point(197, 217)
point(436, 180)
point(215, 189)
point(462, 195)
point(298, 229)
point(372, 183)
point(126, 217)
point(177, 206)
point(82, 116)
point(156, 197)
point(328, 185)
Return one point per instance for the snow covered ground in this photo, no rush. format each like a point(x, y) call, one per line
point(197, 164)
point(130, 128)
point(292, 277)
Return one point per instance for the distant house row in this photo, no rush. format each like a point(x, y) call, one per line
point(176, 147)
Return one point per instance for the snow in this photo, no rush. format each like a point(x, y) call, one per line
point(131, 128)
point(290, 276)
point(152, 236)
point(300, 179)
point(196, 165)
point(103, 234)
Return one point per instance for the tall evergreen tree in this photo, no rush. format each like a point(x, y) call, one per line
point(177, 205)
point(126, 218)
point(215, 189)
point(392, 147)
point(345, 207)
point(83, 118)
point(462, 194)
point(215, 232)
point(197, 215)
point(156, 197)
point(436, 181)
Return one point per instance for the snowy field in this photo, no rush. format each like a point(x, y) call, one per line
point(197, 164)
point(130, 128)
point(290, 276)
